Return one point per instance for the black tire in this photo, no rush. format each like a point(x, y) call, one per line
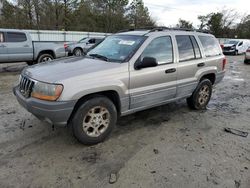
point(44, 58)
point(246, 61)
point(86, 113)
point(30, 63)
point(195, 101)
point(78, 52)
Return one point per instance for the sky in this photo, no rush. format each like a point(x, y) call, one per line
point(168, 12)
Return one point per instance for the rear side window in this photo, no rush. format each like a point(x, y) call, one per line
point(1, 37)
point(210, 45)
point(161, 49)
point(185, 48)
point(16, 37)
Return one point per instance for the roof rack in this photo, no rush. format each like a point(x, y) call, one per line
point(162, 28)
point(177, 29)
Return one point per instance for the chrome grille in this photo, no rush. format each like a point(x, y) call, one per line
point(227, 48)
point(25, 86)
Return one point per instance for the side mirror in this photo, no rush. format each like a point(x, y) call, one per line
point(145, 63)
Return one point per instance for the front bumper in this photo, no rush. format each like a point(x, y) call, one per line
point(54, 112)
point(229, 51)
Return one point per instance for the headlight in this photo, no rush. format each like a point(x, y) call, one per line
point(45, 91)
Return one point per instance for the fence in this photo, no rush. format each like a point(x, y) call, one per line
point(66, 36)
point(63, 36)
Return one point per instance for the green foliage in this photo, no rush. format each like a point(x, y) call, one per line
point(184, 24)
point(78, 15)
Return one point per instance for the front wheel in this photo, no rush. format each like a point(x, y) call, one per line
point(201, 96)
point(94, 120)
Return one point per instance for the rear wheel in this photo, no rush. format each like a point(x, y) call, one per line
point(44, 58)
point(94, 120)
point(78, 52)
point(201, 96)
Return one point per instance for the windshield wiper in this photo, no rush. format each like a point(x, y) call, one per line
point(99, 56)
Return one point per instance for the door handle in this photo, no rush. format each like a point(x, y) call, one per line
point(200, 64)
point(170, 70)
point(26, 46)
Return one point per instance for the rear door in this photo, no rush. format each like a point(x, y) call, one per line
point(189, 62)
point(3, 48)
point(19, 47)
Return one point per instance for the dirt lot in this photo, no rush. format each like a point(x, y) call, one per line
point(168, 146)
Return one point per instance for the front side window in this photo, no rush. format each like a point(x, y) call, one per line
point(117, 48)
point(161, 49)
point(92, 41)
point(16, 37)
point(185, 48)
point(211, 46)
point(1, 37)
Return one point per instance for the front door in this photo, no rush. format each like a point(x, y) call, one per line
point(154, 85)
point(19, 47)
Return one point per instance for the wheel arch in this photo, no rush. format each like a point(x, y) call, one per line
point(110, 94)
point(50, 52)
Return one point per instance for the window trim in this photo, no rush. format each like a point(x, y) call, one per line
point(190, 36)
point(170, 37)
point(26, 39)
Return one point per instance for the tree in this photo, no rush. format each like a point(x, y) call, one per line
point(139, 15)
point(203, 20)
point(221, 24)
point(184, 24)
point(243, 28)
point(87, 15)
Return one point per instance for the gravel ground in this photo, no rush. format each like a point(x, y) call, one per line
point(168, 146)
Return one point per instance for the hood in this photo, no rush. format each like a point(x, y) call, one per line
point(58, 70)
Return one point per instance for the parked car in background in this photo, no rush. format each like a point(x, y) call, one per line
point(235, 47)
point(247, 56)
point(81, 47)
point(128, 72)
point(17, 46)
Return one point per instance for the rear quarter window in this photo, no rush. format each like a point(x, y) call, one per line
point(210, 45)
point(16, 37)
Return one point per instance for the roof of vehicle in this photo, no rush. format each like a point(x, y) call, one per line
point(14, 30)
point(152, 31)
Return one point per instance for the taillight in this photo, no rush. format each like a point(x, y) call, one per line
point(65, 46)
point(224, 62)
point(248, 50)
point(222, 46)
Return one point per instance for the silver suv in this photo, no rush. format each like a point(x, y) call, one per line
point(127, 72)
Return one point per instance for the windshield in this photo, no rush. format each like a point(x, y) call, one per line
point(117, 48)
point(232, 42)
point(83, 39)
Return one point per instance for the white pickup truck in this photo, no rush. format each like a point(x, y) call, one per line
point(17, 46)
